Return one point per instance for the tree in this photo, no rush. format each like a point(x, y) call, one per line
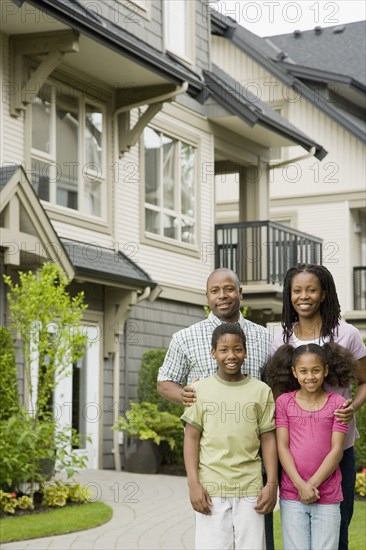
point(48, 322)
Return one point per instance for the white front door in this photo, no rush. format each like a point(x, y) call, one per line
point(76, 399)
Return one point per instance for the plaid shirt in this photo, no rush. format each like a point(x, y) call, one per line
point(189, 353)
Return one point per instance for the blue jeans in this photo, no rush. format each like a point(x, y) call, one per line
point(348, 469)
point(310, 526)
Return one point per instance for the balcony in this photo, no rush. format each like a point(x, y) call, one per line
point(260, 252)
point(359, 288)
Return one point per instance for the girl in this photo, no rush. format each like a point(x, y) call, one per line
point(311, 313)
point(310, 441)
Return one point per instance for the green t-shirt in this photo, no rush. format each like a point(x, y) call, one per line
point(231, 417)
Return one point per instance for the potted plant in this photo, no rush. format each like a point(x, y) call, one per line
point(145, 427)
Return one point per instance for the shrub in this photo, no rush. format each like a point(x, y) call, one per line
point(360, 486)
point(146, 391)
point(9, 398)
point(146, 421)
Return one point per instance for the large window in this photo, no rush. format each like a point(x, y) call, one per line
point(68, 150)
point(170, 190)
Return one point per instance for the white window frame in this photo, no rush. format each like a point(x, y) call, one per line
point(160, 239)
point(274, 157)
point(132, 9)
point(54, 88)
point(190, 25)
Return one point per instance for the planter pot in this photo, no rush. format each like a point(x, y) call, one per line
point(141, 457)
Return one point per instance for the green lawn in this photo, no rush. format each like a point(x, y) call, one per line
point(55, 522)
point(357, 531)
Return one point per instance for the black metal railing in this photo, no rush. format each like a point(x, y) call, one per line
point(359, 288)
point(262, 251)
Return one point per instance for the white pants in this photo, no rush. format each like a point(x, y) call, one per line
point(233, 524)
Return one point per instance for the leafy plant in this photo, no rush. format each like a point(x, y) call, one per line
point(360, 444)
point(146, 391)
point(360, 486)
point(9, 398)
point(48, 321)
point(9, 502)
point(146, 421)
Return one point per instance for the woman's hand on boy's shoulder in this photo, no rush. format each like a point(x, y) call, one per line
point(200, 499)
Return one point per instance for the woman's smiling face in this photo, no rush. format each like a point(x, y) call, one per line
point(306, 295)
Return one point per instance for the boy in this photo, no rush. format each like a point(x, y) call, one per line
point(224, 429)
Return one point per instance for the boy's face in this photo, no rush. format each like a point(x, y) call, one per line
point(230, 355)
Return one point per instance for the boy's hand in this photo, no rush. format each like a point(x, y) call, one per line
point(200, 500)
point(189, 395)
point(267, 499)
point(308, 493)
point(345, 414)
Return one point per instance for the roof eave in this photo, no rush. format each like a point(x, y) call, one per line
point(154, 61)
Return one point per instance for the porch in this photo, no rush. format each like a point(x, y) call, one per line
point(261, 252)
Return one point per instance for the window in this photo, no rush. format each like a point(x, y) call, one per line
point(68, 150)
point(170, 190)
point(179, 27)
point(276, 154)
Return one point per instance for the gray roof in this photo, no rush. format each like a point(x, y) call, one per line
point(241, 102)
point(94, 260)
point(288, 58)
point(340, 49)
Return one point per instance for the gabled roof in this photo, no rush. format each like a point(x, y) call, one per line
point(28, 223)
point(239, 101)
point(36, 235)
point(83, 19)
point(279, 56)
point(90, 259)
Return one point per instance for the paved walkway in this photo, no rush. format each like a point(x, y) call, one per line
point(150, 512)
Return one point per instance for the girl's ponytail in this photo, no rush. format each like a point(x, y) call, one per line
point(341, 363)
point(279, 371)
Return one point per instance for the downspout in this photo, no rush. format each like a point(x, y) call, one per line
point(116, 435)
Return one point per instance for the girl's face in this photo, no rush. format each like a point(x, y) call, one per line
point(229, 354)
point(306, 295)
point(310, 372)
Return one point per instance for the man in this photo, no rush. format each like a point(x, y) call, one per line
point(189, 356)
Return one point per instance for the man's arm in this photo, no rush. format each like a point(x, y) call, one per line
point(174, 392)
point(268, 497)
point(171, 391)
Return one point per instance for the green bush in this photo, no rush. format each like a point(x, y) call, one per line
point(9, 398)
point(360, 444)
point(146, 391)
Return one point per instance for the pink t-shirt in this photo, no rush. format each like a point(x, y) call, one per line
point(348, 337)
point(310, 439)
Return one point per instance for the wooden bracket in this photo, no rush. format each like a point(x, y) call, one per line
point(23, 86)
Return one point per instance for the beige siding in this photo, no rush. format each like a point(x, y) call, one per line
point(12, 129)
point(172, 268)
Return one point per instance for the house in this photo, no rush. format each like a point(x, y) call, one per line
point(317, 80)
point(114, 125)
